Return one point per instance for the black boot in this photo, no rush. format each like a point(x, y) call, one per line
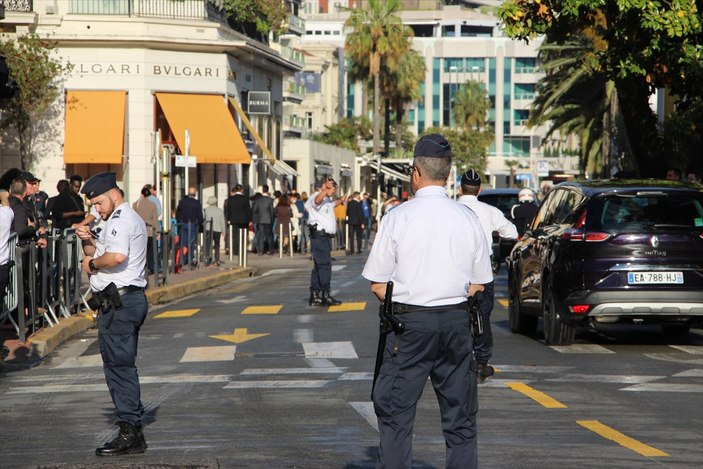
point(130, 440)
point(315, 298)
point(327, 299)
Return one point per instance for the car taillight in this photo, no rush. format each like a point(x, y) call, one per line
point(578, 233)
point(579, 309)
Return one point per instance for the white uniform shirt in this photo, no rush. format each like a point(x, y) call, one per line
point(7, 216)
point(124, 233)
point(321, 215)
point(430, 247)
point(491, 218)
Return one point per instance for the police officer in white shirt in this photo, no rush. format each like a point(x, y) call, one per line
point(492, 219)
point(323, 226)
point(115, 262)
point(431, 247)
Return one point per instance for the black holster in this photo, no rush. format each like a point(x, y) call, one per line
point(105, 301)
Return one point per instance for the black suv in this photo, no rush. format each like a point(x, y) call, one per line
point(608, 252)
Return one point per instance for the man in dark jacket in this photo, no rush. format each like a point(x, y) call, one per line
point(189, 214)
point(25, 228)
point(355, 221)
point(238, 214)
point(69, 209)
point(262, 211)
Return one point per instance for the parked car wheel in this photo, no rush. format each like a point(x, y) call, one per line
point(555, 331)
point(519, 323)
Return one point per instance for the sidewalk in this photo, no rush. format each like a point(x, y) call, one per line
point(42, 343)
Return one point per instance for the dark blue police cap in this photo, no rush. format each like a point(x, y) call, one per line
point(471, 178)
point(433, 146)
point(99, 184)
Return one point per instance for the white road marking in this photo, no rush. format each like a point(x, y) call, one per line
point(365, 409)
point(329, 350)
point(694, 373)
point(178, 335)
point(580, 348)
point(305, 318)
point(665, 387)
point(209, 354)
point(338, 267)
point(319, 363)
point(278, 271)
point(236, 299)
point(530, 368)
point(200, 334)
point(356, 376)
point(302, 335)
point(276, 384)
point(53, 388)
point(501, 383)
point(291, 371)
point(82, 362)
point(692, 349)
point(625, 379)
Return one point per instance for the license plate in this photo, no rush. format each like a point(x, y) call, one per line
point(637, 278)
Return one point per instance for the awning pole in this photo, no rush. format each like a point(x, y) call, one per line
point(187, 155)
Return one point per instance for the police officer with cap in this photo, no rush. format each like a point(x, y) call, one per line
point(430, 247)
point(115, 262)
point(492, 219)
point(323, 226)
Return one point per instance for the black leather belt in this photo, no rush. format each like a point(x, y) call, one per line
point(129, 289)
point(401, 308)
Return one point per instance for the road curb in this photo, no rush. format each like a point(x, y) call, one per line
point(45, 341)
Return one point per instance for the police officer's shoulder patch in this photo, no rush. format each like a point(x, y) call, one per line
point(114, 232)
point(117, 213)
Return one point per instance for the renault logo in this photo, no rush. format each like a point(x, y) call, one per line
point(655, 241)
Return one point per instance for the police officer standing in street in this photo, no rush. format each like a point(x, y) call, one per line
point(323, 226)
point(115, 263)
point(492, 219)
point(430, 247)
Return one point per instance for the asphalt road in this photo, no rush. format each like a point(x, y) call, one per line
point(248, 376)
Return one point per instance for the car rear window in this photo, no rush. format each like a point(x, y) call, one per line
point(504, 202)
point(646, 211)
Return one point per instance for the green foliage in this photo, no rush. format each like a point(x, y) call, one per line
point(269, 16)
point(469, 147)
point(471, 105)
point(655, 40)
point(37, 71)
point(346, 133)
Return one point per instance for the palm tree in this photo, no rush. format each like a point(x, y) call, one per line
point(377, 37)
point(471, 104)
point(401, 87)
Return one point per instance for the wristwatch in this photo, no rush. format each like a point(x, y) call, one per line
point(91, 265)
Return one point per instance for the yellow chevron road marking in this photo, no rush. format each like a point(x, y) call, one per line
point(621, 439)
point(535, 395)
point(177, 313)
point(271, 309)
point(239, 336)
point(347, 307)
point(503, 302)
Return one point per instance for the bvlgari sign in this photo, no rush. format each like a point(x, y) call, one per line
point(259, 102)
point(168, 70)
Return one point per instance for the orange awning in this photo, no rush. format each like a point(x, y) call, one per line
point(214, 138)
point(95, 123)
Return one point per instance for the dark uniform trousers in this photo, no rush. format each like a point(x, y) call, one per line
point(483, 344)
point(321, 275)
point(438, 345)
point(118, 334)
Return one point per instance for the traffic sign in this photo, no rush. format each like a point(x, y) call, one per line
point(542, 168)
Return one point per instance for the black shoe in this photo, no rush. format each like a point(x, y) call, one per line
point(327, 299)
point(485, 371)
point(315, 298)
point(130, 440)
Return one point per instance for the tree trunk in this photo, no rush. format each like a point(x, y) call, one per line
point(387, 126)
point(399, 112)
point(376, 121)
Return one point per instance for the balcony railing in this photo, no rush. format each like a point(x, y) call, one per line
point(293, 54)
point(175, 9)
point(24, 6)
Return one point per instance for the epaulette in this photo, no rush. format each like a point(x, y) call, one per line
point(117, 214)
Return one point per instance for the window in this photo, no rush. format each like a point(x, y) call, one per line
point(308, 120)
point(449, 31)
point(521, 116)
point(524, 91)
point(476, 31)
point(525, 65)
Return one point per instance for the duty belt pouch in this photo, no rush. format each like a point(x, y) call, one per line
point(113, 295)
